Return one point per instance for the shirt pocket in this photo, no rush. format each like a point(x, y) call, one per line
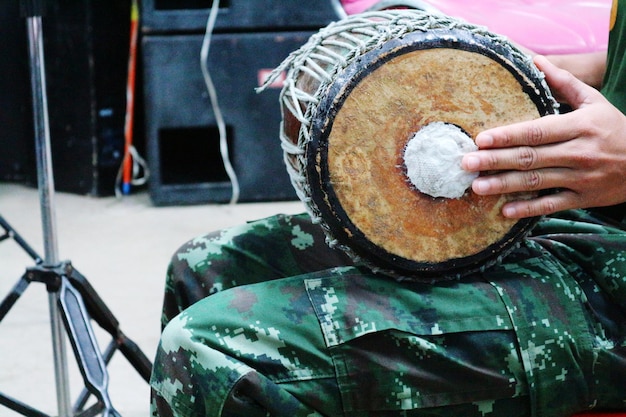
point(404, 346)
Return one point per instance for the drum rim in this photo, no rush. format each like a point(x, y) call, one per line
point(337, 221)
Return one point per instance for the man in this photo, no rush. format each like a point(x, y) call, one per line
point(274, 322)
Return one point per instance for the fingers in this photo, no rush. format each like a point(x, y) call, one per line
point(557, 152)
point(542, 131)
point(526, 142)
point(513, 182)
point(545, 205)
point(548, 129)
point(520, 158)
point(579, 153)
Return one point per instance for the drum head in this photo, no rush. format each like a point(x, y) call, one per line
point(355, 165)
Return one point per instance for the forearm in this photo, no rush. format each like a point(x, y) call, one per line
point(587, 67)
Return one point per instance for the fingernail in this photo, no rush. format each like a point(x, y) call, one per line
point(471, 162)
point(480, 186)
point(484, 140)
point(509, 211)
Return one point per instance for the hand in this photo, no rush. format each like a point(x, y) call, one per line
point(582, 154)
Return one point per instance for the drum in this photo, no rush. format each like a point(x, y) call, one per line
point(377, 112)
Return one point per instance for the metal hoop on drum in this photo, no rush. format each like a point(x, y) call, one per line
point(355, 98)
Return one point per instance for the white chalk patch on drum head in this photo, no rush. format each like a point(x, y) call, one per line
point(433, 160)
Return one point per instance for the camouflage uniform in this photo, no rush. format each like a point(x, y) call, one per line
point(301, 331)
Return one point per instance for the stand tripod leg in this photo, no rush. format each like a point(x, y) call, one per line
point(13, 296)
point(5, 307)
point(20, 407)
point(9, 232)
point(105, 319)
point(85, 346)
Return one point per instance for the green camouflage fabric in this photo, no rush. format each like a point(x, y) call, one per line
point(275, 323)
point(277, 247)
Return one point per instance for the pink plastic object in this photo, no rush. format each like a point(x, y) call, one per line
point(543, 26)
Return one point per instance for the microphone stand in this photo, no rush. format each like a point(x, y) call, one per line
point(33, 10)
point(72, 301)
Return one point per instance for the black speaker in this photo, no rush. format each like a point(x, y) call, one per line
point(17, 146)
point(86, 47)
point(184, 16)
point(183, 144)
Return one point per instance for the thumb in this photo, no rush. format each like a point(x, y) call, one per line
point(565, 87)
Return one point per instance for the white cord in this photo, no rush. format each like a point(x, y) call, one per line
point(140, 171)
point(219, 119)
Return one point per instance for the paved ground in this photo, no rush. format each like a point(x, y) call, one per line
point(122, 246)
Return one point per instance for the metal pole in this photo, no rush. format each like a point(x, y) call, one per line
point(46, 196)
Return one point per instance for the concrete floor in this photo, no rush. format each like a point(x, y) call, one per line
point(122, 246)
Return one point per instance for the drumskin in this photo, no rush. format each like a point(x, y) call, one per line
point(367, 141)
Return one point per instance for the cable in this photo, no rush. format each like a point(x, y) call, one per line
point(132, 163)
point(219, 119)
point(339, 9)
